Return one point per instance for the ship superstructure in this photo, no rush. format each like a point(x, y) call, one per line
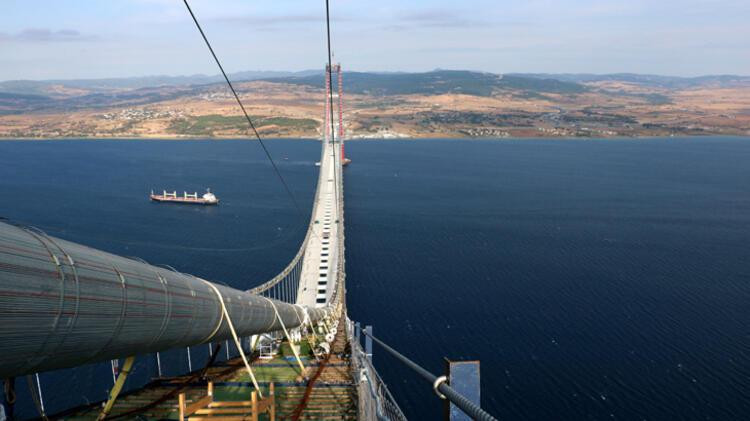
point(207, 198)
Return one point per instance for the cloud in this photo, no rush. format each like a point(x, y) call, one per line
point(266, 21)
point(437, 19)
point(46, 35)
point(434, 18)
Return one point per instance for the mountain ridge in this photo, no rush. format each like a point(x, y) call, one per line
point(379, 79)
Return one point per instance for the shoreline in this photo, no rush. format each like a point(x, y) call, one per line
point(358, 139)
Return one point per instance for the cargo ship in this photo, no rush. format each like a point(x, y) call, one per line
point(208, 198)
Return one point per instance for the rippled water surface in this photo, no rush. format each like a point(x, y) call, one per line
point(603, 279)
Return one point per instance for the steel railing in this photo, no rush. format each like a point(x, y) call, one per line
point(439, 384)
point(375, 400)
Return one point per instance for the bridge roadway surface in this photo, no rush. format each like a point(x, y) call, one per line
point(321, 261)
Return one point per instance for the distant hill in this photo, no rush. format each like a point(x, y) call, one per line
point(25, 95)
point(15, 103)
point(437, 82)
point(657, 81)
point(373, 83)
point(12, 103)
point(59, 87)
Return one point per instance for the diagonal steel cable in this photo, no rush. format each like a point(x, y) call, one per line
point(239, 102)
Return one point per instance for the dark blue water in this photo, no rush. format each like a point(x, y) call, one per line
point(96, 193)
point(594, 279)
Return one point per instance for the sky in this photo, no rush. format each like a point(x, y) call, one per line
point(74, 39)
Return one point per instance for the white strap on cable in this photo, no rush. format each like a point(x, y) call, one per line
point(300, 320)
point(305, 320)
point(288, 338)
point(225, 315)
point(221, 320)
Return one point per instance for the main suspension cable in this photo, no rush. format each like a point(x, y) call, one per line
point(239, 102)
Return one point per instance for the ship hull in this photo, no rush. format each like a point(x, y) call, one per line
point(183, 201)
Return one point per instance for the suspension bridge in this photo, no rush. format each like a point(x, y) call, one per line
point(298, 355)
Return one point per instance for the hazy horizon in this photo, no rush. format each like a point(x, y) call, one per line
point(140, 38)
point(217, 75)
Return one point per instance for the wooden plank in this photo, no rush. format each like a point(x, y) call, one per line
point(272, 398)
point(211, 411)
point(254, 405)
point(221, 404)
point(181, 405)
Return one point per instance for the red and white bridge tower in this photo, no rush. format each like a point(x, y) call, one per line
point(330, 71)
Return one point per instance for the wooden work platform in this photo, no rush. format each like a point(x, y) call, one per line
point(328, 394)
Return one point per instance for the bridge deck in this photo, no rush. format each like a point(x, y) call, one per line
point(320, 265)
